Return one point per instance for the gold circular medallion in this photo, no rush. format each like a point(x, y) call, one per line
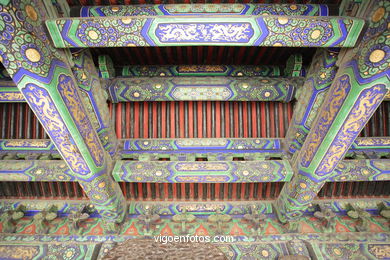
point(267, 94)
point(378, 14)
point(282, 20)
point(377, 56)
point(93, 35)
point(337, 251)
point(315, 34)
point(31, 13)
point(136, 94)
point(126, 20)
point(264, 253)
point(33, 55)
point(102, 185)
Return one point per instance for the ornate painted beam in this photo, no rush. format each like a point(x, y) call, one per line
point(310, 98)
point(201, 9)
point(176, 171)
point(95, 99)
point(136, 148)
point(35, 170)
point(43, 75)
point(287, 31)
point(371, 146)
point(203, 172)
point(294, 66)
point(171, 208)
point(215, 149)
point(205, 88)
point(200, 71)
point(27, 149)
point(78, 250)
point(361, 170)
point(360, 85)
point(106, 67)
point(9, 92)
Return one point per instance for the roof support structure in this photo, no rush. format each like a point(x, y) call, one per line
point(45, 78)
point(213, 30)
point(359, 87)
point(94, 99)
point(310, 97)
point(201, 9)
point(204, 88)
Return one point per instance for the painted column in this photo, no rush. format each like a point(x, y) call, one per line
point(359, 87)
point(43, 74)
point(94, 98)
point(320, 76)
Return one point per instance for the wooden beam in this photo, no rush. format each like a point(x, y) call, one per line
point(358, 89)
point(94, 98)
point(370, 144)
point(201, 71)
point(310, 98)
point(9, 92)
point(202, 172)
point(204, 88)
point(213, 149)
point(35, 170)
point(361, 170)
point(201, 9)
point(184, 171)
point(133, 148)
point(227, 30)
point(43, 75)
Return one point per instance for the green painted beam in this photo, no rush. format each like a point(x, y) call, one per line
point(35, 170)
point(94, 98)
point(204, 88)
point(310, 98)
point(9, 92)
point(219, 148)
point(361, 170)
point(40, 250)
point(359, 87)
point(371, 143)
point(201, 9)
point(202, 172)
point(44, 76)
point(182, 171)
point(200, 70)
point(212, 149)
point(213, 30)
